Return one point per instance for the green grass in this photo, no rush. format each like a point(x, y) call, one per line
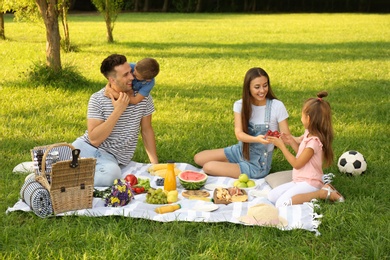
point(203, 60)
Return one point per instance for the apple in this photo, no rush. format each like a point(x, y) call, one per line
point(242, 185)
point(172, 196)
point(243, 178)
point(250, 184)
point(131, 179)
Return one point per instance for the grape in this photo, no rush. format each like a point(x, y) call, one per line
point(156, 197)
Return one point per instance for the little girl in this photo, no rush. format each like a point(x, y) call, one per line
point(314, 150)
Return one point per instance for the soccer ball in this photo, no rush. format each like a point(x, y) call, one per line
point(352, 163)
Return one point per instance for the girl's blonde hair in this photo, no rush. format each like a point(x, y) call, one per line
point(320, 123)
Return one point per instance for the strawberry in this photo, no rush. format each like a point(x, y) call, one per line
point(269, 133)
point(274, 134)
point(138, 189)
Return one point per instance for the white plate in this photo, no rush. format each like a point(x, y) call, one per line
point(206, 207)
point(258, 193)
point(251, 188)
point(213, 186)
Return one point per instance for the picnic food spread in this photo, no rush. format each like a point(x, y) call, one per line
point(192, 181)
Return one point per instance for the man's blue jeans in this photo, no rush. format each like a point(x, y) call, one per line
point(107, 168)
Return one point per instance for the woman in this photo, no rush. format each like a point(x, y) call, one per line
point(257, 112)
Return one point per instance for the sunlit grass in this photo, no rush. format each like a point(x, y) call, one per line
point(203, 60)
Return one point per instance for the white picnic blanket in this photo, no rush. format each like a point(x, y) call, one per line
point(297, 216)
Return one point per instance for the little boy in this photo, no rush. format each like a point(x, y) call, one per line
point(144, 72)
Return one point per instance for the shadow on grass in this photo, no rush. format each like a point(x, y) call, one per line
point(68, 78)
point(331, 52)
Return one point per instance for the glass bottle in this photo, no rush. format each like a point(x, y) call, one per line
point(170, 177)
point(166, 209)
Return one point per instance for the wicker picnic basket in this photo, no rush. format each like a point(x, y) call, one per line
point(69, 180)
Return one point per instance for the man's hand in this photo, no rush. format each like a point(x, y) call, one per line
point(121, 102)
point(111, 93)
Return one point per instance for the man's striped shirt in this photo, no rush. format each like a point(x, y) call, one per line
point(124, 137)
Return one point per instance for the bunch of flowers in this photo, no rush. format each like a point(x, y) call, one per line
point(121, 194)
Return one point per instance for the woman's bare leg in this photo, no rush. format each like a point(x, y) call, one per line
point(222, 169)
point(214, 162)
point(210, 155)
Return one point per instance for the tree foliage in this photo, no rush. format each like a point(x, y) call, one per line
point(23, 10)
point(110, 10)
point(49, 11)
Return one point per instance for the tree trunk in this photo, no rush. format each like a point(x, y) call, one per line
point(2, 32)
point(71, 4)
point(49, 12)
point(146, 6)
point(246, 6)
point(64, 10)
point(165, 6)
point(136, 4)
point(233, 6)
point(107, 18)
point(198, 8)
point(254, 6)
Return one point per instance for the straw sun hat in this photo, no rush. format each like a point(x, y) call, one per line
point(264, 215)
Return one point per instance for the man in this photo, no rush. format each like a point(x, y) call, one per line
point(113, 124)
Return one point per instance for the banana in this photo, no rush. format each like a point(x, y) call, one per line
point(160, 173)
point(157, 166)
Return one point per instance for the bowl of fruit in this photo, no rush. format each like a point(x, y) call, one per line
point(243, 182)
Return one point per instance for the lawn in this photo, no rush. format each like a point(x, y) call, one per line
point(203, 59)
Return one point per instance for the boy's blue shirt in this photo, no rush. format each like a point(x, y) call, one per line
point(141, 86)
